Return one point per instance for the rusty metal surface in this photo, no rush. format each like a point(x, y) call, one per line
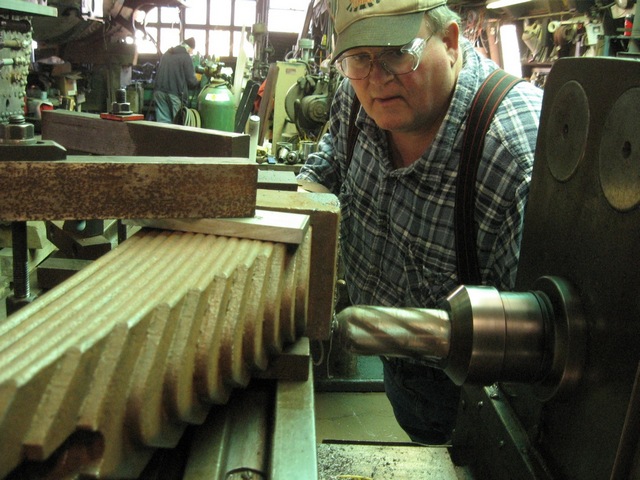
point(115, 362)
point(85, 187)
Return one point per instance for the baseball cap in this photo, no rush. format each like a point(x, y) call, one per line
point(378, 23)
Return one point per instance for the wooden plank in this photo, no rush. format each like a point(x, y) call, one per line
point(277, 180)
point(89, 134)
point(324, 212)
point(121, 118)
point(106, 187)
point(264, 225)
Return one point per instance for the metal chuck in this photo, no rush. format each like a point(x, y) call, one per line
point(485, 336)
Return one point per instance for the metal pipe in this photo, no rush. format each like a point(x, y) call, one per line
point(22, 26)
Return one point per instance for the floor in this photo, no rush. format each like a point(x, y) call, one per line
point(356, 416)
point(359, 438)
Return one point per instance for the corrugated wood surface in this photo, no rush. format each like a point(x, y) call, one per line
point(139, 344)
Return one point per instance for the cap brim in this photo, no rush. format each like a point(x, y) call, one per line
point(380, 31)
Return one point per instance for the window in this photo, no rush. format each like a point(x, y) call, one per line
point(216, 25)
point(286, 16)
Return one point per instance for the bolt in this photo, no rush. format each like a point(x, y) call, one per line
point(17, 131)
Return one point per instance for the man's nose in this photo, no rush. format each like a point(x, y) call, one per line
point(378, 72)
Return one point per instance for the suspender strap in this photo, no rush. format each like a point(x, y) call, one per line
point(352, 132)
point(484, 105)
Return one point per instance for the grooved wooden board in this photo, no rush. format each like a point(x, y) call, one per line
point(324, 212)
point(264, 225)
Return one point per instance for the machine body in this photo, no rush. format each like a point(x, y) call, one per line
point(550, 372)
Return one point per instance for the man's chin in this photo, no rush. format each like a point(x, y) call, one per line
point(392, 122)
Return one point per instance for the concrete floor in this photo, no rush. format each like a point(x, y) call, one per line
point(357, 417)
point(359, 438)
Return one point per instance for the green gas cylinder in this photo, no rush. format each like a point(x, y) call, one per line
point(217, 106)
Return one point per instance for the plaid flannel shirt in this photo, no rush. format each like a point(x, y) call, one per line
point(397, 229)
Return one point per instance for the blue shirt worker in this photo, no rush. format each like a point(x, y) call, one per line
point(415, 77)
point(175, 76)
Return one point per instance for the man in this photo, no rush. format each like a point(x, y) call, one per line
point(415, 77)
point(175, 76)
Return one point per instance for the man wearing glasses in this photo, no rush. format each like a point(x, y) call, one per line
point(415, 77)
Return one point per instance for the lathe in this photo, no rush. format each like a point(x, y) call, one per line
point(551, 371)
point(197, 343)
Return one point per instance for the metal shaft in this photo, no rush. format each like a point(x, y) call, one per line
point(485, 336)
point(395, 332)
point(21, 284)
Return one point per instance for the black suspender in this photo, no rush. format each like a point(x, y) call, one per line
point(484, 105)
point(352, 132)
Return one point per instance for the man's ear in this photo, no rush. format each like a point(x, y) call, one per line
point(450, 38)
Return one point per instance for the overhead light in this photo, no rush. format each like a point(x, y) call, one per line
point(504, 3)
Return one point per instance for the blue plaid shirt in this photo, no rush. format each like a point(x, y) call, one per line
point(397, 229)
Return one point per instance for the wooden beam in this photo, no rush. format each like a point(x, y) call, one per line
point(324, 213)
point(103, 187)
point(277, 180)
point(265, 225)
point(87, 133)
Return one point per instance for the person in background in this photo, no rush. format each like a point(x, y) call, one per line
point(415, 76)
point(175, 76)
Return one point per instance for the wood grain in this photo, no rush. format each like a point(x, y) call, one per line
point(265, 225)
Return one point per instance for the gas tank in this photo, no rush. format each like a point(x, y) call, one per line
point(217, 106)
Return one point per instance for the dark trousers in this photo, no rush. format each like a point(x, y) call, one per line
point(167, 105)
point(424, 400)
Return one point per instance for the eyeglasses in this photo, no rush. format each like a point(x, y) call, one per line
point(396, 62)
